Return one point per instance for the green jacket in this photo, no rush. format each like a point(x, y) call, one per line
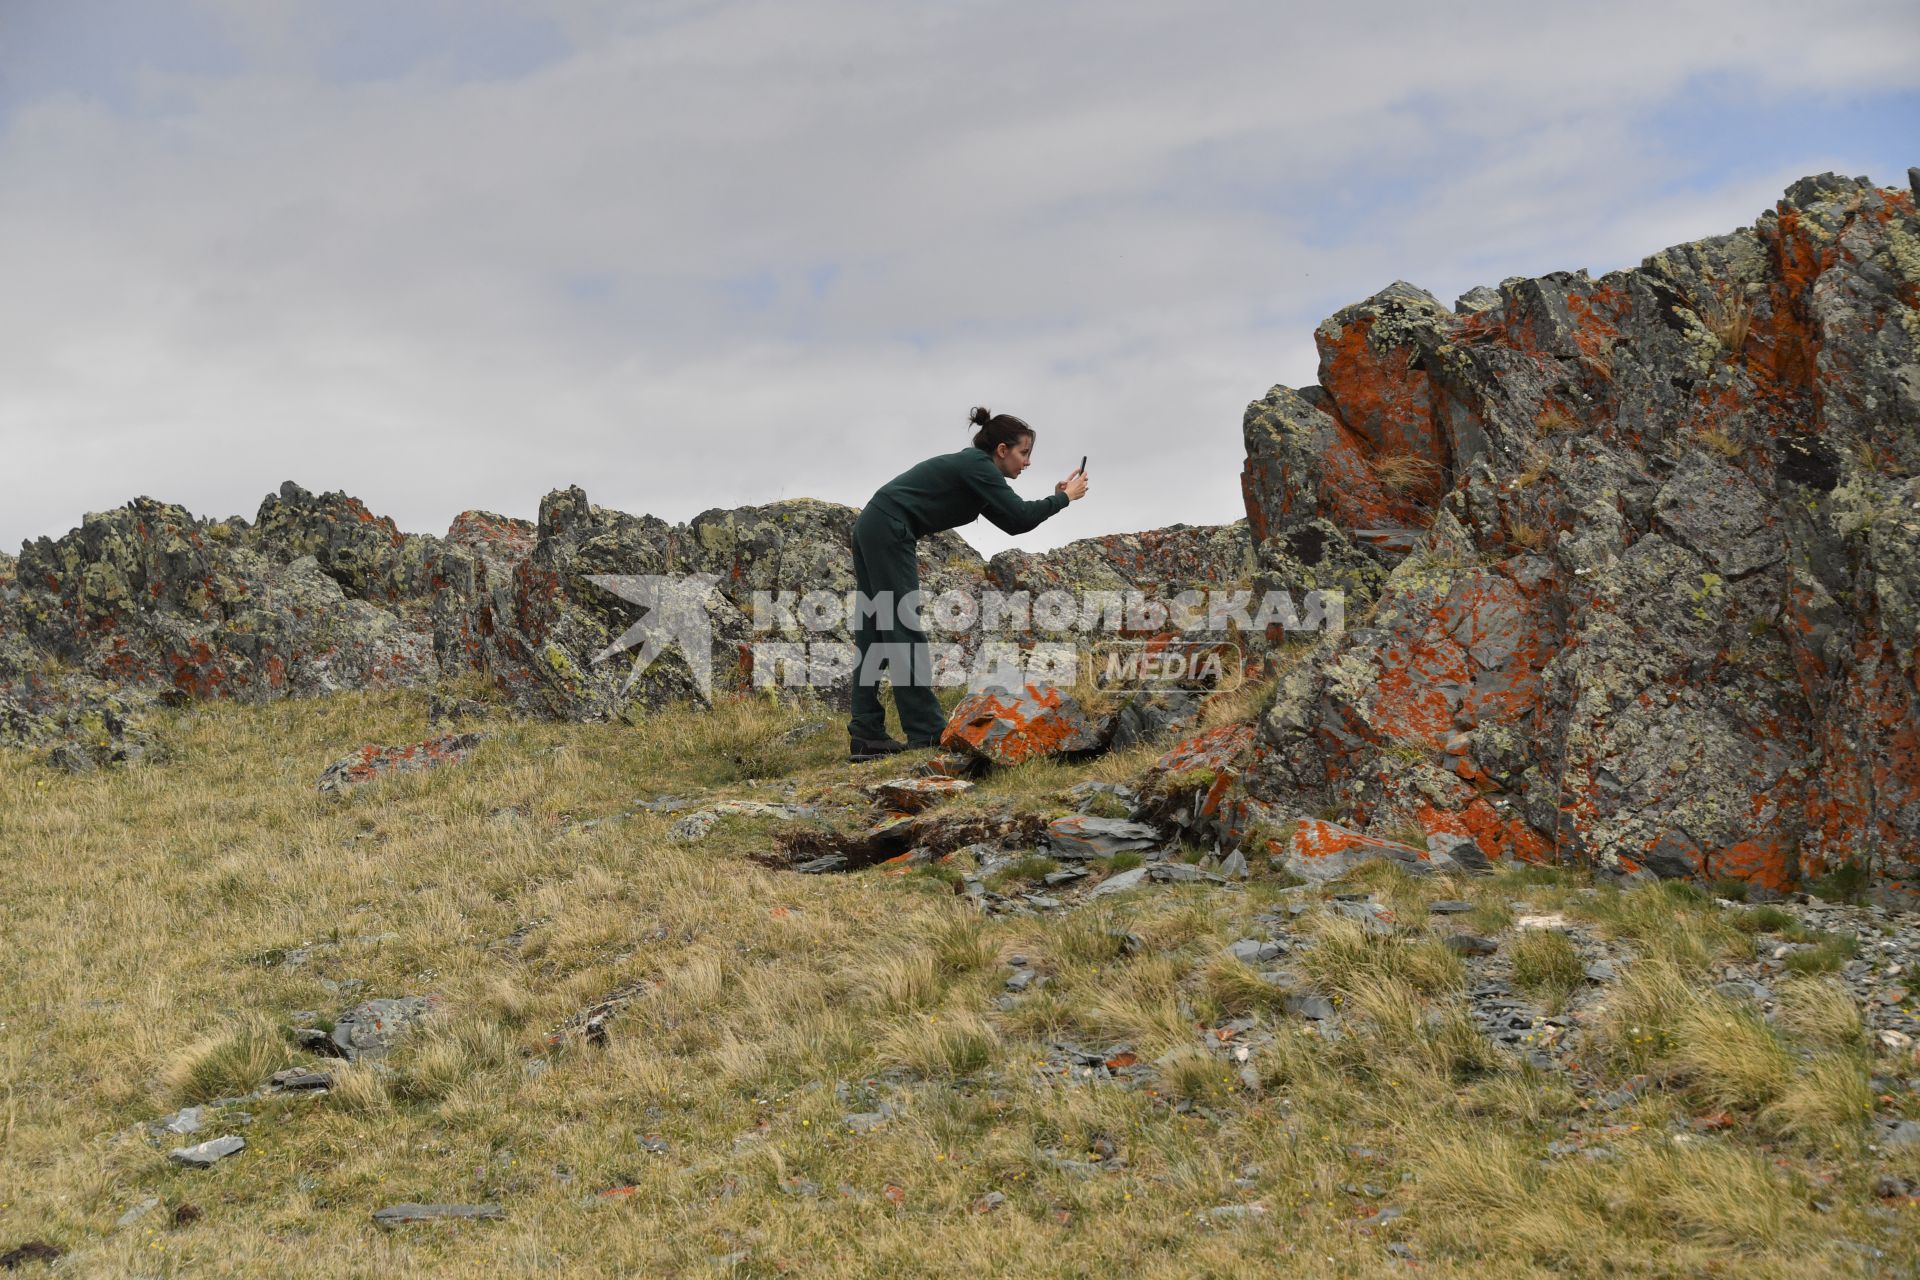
point(952, 489)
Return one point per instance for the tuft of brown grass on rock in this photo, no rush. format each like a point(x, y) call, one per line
point(1405, 472)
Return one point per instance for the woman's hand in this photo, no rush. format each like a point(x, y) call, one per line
point(1074, 486)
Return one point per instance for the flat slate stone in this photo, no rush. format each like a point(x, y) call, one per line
point(1088, 837)
point(1316, 1008)
point(1119, 883)
point(209, 1153)
point(395, 1214)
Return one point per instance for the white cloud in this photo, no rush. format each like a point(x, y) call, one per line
point(438, 292)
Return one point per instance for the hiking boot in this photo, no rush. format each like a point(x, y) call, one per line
point(924, 744)
point(873, 748)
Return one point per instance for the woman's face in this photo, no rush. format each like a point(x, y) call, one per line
point(1012, 459)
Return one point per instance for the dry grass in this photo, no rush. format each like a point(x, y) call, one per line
point(164, 924)
point(1554, 421)
point(232, 1061)
point(1728, 315)
point(1720, 441)
point(1405, 472)
point(1547, 966)
point(1533, 467)
point(1524, 533)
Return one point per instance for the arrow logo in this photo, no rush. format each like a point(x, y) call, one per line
point(677, 612)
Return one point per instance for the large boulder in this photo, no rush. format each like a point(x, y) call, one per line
point(1657, 610)
point(1008, 720)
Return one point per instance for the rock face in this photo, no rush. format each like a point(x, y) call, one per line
point(1176, 556)
point(149, 603)
point(1634, 562)
point(524, 612)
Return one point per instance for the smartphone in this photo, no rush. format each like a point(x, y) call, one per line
point(1083, 464)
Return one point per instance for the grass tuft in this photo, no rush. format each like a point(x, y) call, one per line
point(234, 1060)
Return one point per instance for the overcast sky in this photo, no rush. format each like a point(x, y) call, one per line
point(454, 253)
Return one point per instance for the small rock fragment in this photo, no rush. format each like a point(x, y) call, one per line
point(395, 1214)
point(1316, 1008)
point(207, 1154)
point(1119, 883)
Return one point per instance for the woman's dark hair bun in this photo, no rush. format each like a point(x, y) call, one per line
point(997, 429)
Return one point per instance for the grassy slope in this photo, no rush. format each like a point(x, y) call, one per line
point(144, 909)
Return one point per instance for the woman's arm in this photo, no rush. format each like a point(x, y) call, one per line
point(1006, 509)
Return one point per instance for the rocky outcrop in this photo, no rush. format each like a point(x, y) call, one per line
point(149, 602)
point(1634, 561)
point(1158, 560)
point(1632, 570)
point(531, 619)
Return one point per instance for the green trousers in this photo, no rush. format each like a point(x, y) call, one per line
point(884, 561)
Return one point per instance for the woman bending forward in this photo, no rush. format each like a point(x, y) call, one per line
point(941, 493)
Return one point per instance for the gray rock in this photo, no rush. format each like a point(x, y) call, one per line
point(1153, 713)
point(209, 1153)
point(396, 1214)
point(1089, 837)
point(370, 1029)
point(1741, 989)
point(1602, 971)
point(1449, 907)
point(1119, 883)
point(1902, 1136)
point(138, 1212)
point(665, 804)
point(1089, 790)
point(371, 762)
point(1234, 1212)
point(1256, 950)
point(1182, 873)
point(184, 1121)
point(1021, 980)
point(1006, 719)
point(866, 1121)
point(1471, 944)
point(1234, 866)
point(1371, 915)
point(299, 1079)
point(1313, 1007)
point(1478, 298)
